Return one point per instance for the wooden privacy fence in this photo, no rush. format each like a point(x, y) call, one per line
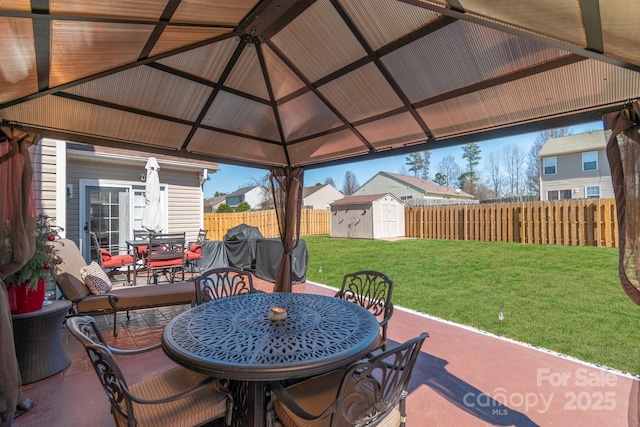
point(313, 221)
point(591, 222)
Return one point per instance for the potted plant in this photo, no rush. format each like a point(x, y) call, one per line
point(26, 287)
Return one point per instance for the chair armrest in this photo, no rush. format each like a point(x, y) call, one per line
point(386, 319)
point(283, 395)
point(218, 383)
point(111, 297)
point(123, 352)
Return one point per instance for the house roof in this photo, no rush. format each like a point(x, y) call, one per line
point(217, 200)
point(361, 200)
point(307, 191)
point(311, 82)
point(427, 186)
point(241, 191)
point(588, 141)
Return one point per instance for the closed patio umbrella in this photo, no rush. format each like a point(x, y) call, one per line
point(152, 215)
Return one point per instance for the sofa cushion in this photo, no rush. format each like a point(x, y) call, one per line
point(95, 278)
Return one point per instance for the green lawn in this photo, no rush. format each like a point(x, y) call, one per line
point(566, 299)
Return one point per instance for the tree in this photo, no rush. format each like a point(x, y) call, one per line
point(495, 180)
point(419, 164)
point(243, 207)
point(448, 171)
point(471, 155)
point(219, 193)
point(350, 184)
point(514, 159)
point(329, 181)
point(224, 208)
point(533, 162)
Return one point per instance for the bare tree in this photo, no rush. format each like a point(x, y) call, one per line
point(350, 184)
point(514, 160)
point(265, 188)
point(448, 171)
point(329, 181)
point(533, 162)
point(495, 178)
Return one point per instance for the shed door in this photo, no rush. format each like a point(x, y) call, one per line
point(389, 219)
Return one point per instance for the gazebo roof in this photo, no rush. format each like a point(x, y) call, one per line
point(311, 83)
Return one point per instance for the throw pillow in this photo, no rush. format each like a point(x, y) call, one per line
point(95, 278)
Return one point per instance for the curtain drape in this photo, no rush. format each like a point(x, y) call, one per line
point(286, 186)
point(623, 152)
point(17, 245)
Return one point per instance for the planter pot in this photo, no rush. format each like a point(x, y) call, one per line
point(24, 300)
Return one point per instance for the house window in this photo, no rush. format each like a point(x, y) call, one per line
point(549, 165)
point(559, 195)
point(590, 161)
point(403, 198)
point(593, 192)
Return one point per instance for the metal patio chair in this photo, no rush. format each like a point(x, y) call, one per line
point(371, 392)
point(110, 262)
point(166, 255)
point(177, 397)
point(372, 290)
point(223, 282)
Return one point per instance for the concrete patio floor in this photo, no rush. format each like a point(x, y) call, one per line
point(462, 378)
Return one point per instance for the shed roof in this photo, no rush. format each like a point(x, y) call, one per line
point(311, 82)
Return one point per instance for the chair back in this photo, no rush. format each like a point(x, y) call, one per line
point(87, 332)
point(370, 289)
point(140, 234)
point(69, 280)
point(371, 390)
point(96, 245)
point(223, 282)
point(166, 250)
point(202, 236)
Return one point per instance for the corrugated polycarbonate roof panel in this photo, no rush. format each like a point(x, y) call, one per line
point(394, 131)
point(123, 9)
point(16, 5)
point(570, 89)
point(247, 75)
point(172, 95)
point(327, 147)
point(234, 147)
point(174, 37)
point(81, 49)
point(459, 55)
point(561, 20)
point(220, 12)
point(63, 114)
point(384, 21)
point(18, 75)
point(238, 114)
point(283, 80)
point(620, 33)
point(207, 61)
point(361, 94)
point(306, 115)
point(318, 42)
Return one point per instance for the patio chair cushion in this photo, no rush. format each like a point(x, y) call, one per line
point(194, 247)
point(95, 278)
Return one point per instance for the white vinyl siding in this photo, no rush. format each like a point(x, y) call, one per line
point(549, 165)
point(590, 161)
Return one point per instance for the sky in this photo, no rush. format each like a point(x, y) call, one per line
point(230, 178)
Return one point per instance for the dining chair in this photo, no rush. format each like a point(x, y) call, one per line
point(166, 255)
point(193, 252)
point(140, 250)
point(110, 262)
point(223, 282)
point(177, 397)
point(371, 392)
point(372, 290)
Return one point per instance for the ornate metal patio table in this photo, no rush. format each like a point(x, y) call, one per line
point(234, 338)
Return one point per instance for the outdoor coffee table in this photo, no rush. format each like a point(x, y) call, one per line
point(234, 338)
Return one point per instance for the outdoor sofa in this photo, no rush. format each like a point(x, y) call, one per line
point(74, 289)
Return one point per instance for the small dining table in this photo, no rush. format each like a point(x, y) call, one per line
point(235, 338)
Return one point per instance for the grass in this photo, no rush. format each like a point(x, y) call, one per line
point(566, 299)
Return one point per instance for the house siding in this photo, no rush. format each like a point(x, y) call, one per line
point(44, 159)
point(322, 198)
point(570, 176)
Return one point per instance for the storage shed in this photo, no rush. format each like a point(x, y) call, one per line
point(373, 216)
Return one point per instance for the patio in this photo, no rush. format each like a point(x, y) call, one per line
point(460, 378)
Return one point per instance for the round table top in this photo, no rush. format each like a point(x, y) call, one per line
point(56, 306)
point(234, 338)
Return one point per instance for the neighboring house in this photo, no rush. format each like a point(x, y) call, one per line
point(254, 195)
point(215, 202)
point(407, 188)
point(575, 167)
point(320, 196)
point(374, 216)
point(101, 189)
